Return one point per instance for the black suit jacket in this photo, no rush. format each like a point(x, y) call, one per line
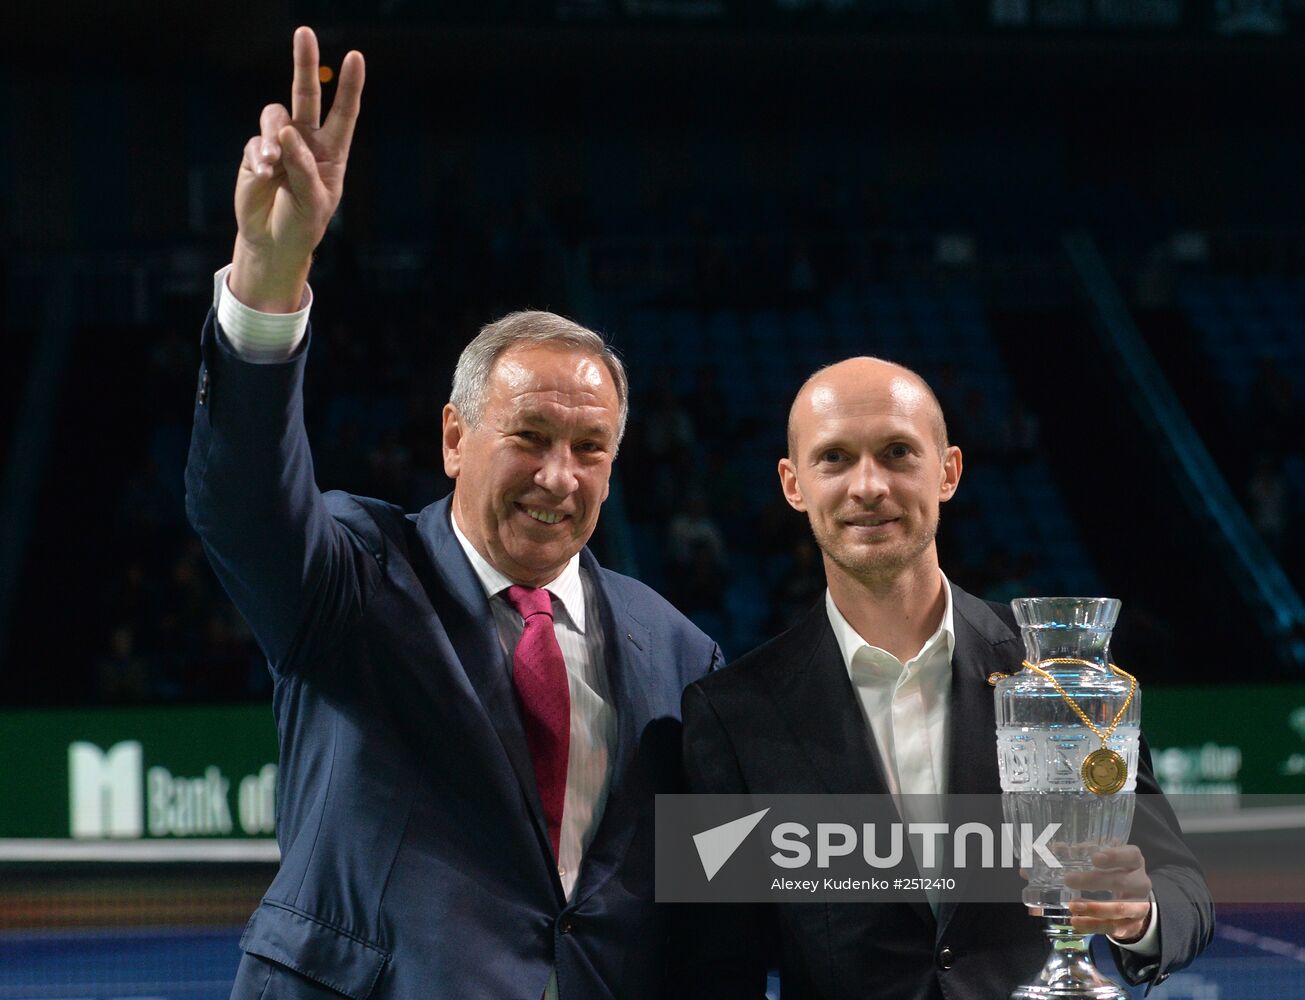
point(786, 719)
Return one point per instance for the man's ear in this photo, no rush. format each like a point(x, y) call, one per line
point(951, 478)
point(788, 482)
point(453, 431)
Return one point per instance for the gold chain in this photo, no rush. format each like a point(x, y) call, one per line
point(1132, 689)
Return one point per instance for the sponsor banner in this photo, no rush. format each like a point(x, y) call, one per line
point(938, 849)
point(139, 774)
point(201, 772)
point(1226, 741)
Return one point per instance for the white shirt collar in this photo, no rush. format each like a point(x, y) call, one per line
point(566, 586)
point(850, 642)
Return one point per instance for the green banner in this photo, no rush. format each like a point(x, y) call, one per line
point(1227, 740)
point(147, 773)
point(169, 773)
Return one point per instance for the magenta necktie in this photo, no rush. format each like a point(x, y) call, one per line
point(539, 673)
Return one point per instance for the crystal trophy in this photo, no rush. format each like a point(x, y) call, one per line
point(1067, 745)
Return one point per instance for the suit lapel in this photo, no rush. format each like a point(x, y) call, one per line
point(469, 622)
point(815, 695)
point(627, 647)
point(984, 644)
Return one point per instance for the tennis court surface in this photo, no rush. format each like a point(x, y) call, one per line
point(1257, 953)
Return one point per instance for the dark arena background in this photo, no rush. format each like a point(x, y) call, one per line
point(1082, 220)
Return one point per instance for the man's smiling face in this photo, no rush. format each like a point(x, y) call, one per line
point(869, 465)
point(533, 473)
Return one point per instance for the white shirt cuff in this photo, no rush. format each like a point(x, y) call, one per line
point(258, 337)
point(1148, 945)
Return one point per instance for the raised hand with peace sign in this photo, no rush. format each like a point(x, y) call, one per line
point(290, 181)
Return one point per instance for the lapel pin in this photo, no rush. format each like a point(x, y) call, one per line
point(996, 676)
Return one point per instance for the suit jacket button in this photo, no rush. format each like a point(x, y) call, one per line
point(566, 925)
point(945, 958)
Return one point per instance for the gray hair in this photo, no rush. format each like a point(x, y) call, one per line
point(471, 376)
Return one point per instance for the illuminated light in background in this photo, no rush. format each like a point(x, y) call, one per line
point(326, 74)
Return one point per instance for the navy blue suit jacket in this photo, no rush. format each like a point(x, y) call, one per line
point(414, 857)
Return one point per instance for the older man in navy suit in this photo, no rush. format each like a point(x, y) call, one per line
point(474, 716)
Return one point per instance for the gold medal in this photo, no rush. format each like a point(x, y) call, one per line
point(1104, 771)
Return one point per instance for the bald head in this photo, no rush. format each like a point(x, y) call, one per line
point(870, 383)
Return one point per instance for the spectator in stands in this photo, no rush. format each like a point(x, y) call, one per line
point(1274, 410)
point(133, 596)
point(391, 470)
point(1021, 431)
point(428, 481)
point(799, 585)
point(122, 674)
point(692, 529)
point(1268, 498)
point(707, 406)
point(668, 441)
point(977, 419)
point(223, 653)
point(148, 507)
point(668, 429)
point(697, 587)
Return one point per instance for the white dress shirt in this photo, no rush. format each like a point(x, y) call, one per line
point(258, 337)
point(906, 708)
point(269, 338)
point(593, 721)
point(905, 704)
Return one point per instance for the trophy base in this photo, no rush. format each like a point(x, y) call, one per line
point(1069, 973)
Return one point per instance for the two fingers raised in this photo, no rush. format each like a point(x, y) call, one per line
point(306, 94)
point(329, 142)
